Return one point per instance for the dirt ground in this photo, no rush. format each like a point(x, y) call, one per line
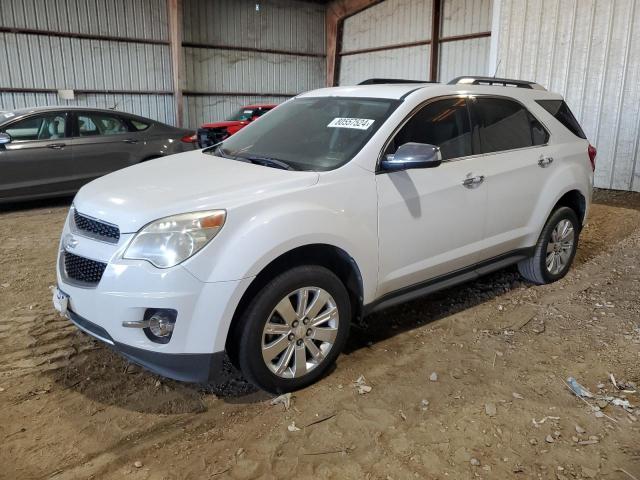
point(500, 348)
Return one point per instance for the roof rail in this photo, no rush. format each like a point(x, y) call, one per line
point(502, 82)
point(379, 81)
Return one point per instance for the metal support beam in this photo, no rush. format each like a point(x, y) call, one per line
point(174, 11)
point(435, 39)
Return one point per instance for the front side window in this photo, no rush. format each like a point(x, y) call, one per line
point(48, 126)
point(443, 123)
point(312, 134)
point(242, 115)
point(503, 124)
point(92, 124)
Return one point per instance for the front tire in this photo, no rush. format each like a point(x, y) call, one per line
point(555, 249)
point(294, 329)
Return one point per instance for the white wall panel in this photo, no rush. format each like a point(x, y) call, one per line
point(589, 51)
point(216, 70)
point(464, 57)
point(278, 24)
point(410, 62)
point(460, 17)
point(388, 23)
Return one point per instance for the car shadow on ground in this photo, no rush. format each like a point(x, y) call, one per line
point(145, 392)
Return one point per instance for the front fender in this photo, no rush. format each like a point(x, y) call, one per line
point(248, 243)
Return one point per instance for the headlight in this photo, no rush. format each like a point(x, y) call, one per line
point(171, 240)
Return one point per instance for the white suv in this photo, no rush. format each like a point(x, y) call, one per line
point(337, 203)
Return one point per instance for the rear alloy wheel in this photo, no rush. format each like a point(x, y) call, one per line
point(294, 329)
point(555, 249)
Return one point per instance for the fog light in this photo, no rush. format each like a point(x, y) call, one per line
point(160, 324)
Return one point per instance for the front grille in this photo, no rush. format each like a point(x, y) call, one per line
point(83, 269)
point(96, 228)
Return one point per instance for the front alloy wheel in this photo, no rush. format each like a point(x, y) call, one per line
point(300, 332)
point(293, 329)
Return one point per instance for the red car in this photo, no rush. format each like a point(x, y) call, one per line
point(212, 133)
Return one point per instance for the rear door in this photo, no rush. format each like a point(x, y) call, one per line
point(38, 161)
point(516, 161)
point(103, 142)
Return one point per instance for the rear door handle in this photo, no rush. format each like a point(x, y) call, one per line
point(129, 140)
point(544, 162)
point(57, 146)
point(473, 182)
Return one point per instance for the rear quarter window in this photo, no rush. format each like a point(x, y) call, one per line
point(560, 110)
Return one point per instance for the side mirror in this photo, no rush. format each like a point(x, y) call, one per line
point(5, 138)
point(413, 155)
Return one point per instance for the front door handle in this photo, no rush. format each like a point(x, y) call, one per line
point(129, 140)
point(473, 182)
point(56, 146)
point(544, 162)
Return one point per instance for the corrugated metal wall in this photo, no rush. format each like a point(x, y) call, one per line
point(395, 22)
point(589, 51)
point(278, 52)
point(386, 24)
point(40, 61)
point(464, 57)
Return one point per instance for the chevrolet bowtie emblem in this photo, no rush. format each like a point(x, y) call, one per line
point(70, 242)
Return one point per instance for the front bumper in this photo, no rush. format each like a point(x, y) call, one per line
point(127, 288)
point(186, 367)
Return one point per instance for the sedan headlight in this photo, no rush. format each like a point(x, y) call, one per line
point(171, 240)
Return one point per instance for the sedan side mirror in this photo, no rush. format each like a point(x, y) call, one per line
point(5, 138)
point(413, 155)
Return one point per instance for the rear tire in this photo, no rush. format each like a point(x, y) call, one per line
point(555, 249)
point(294, 329)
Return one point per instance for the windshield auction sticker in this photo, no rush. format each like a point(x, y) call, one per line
point(357, 123)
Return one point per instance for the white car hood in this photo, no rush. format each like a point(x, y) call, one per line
point(186, 182)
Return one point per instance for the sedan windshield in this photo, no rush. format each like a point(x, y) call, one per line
point(309, 133)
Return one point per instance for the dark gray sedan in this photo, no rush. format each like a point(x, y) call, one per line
point(53, 151)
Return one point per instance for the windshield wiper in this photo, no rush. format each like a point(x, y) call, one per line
point(266, 161)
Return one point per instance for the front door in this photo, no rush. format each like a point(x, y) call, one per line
point(38, 160)
point(431, 221)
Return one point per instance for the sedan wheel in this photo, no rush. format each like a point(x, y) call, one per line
point(300, 332)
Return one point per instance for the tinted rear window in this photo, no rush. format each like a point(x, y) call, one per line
point(560, 110)
point(503, 124)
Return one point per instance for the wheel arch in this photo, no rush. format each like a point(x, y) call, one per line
point(575, 200)
point(325, 255)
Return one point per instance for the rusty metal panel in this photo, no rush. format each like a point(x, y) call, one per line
point(122, 18)
point(391, 22)
point(277, 24)
point(37, 61)
point(409, 62)
point(156, 107)
point(461, 17)
point(211, 108)
point(464, 57)
point(220, 71)
point(588, 51)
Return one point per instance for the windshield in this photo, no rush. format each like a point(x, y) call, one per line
point(242, 115)
point(310, 133)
